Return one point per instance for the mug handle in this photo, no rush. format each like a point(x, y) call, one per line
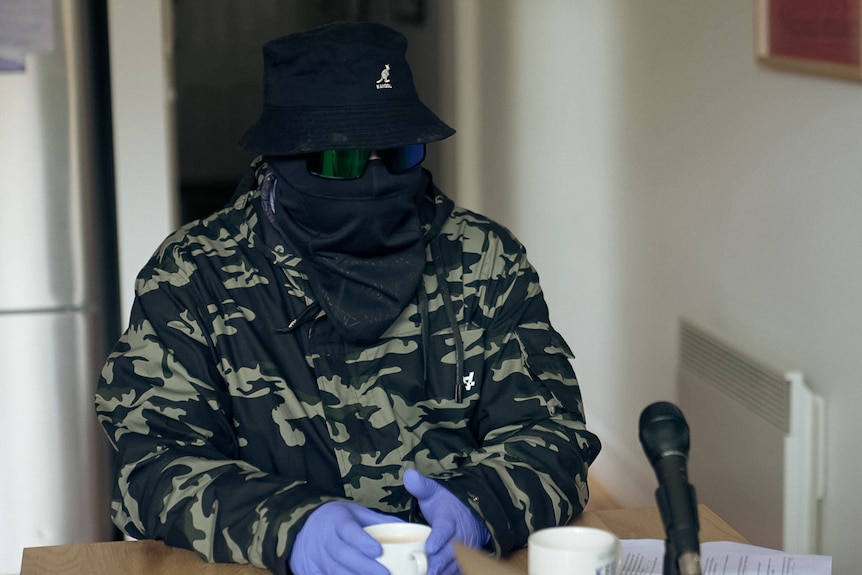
point(421, 562)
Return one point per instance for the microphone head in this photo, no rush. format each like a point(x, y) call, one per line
point(663, 431)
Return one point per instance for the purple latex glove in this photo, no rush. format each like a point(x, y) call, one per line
point(450, 520)
point(332, 541)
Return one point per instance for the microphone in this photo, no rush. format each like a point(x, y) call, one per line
point(664, 435)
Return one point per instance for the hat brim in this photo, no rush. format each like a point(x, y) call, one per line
point(291, 131)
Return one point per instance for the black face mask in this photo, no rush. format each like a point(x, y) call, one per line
point(362, 240)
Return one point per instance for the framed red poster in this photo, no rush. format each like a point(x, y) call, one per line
point(814, 36)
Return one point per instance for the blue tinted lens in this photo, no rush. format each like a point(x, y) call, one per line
point(403, 158)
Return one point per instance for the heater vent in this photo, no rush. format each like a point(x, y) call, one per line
point(762, 390)
point(756, 452)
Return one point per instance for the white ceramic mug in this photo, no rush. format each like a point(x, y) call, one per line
point(403, 547)
point(574, 551)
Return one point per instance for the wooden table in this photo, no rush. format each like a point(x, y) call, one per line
point(155, 558)
point(642, 523)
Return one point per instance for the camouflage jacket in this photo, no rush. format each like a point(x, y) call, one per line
point(235, 409)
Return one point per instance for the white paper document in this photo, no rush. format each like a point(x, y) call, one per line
point(646, 557)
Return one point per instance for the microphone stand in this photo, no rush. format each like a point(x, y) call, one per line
point(674, 562)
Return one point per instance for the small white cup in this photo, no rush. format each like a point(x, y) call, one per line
point(574, 551)
point(403, 547)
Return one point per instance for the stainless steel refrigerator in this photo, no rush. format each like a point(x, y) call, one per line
point(57, 273)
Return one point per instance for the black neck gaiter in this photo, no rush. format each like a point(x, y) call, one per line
point(361, 238)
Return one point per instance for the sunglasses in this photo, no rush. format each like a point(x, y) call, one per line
point(350, 164)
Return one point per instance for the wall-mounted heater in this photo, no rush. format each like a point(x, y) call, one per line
point(757, 453)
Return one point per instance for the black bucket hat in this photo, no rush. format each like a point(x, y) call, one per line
point(340, 86)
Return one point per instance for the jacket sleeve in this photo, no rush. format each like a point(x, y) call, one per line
point(177, 476)
point(530, 468)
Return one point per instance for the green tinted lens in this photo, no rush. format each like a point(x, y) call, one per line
point(338, 164)
point(350, 164)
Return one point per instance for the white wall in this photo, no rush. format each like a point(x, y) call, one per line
point(655, 170)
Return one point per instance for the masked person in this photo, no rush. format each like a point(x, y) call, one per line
point(341, 346)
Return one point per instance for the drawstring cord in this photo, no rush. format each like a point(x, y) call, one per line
point(426, 332)
point(440, 267)
point(304, 315)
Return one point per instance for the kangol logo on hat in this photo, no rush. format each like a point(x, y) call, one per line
point(342, 86)
point(383, 82)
